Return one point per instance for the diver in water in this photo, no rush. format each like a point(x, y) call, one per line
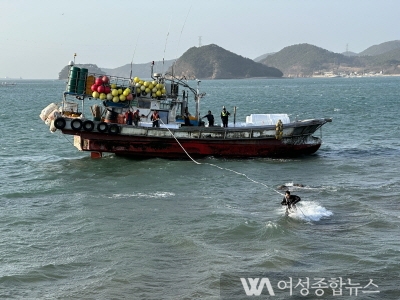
point(290, 201)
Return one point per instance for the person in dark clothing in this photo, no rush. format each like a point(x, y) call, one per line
point(224, 116)
point(290, 201)
point(210, 118)
point(186, 117)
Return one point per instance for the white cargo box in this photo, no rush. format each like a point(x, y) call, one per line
point(267, 119)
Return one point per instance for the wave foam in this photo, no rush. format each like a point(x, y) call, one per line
point(143, 195)
point(309, 211)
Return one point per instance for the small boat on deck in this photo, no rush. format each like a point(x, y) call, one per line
point(105, 131)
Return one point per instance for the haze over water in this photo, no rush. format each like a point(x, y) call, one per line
point(76, 228)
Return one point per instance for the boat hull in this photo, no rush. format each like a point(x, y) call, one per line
point(147, 147)
point(293, 139)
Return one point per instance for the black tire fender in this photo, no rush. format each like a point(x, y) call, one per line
point(88, 125)
point(113, 129)
point(76, 124)
point(60, 123)
point(102, 127)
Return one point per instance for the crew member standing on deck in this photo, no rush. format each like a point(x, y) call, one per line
point(136, 117)
point(155, 117)
point(290, 201)
point(186, 117)
point(224, 116)
point(210, 119)
point(128, 117)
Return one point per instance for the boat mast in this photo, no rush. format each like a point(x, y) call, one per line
point(197, 100)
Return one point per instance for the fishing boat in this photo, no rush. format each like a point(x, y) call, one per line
point(4, 83)
point(105, 129)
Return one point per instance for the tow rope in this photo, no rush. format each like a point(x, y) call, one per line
point(216, 166)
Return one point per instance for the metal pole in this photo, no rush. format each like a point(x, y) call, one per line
point(234, 116)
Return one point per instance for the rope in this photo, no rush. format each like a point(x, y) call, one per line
point(301, 211)
point(230, 170)
point(221, 168)
point(68, 140)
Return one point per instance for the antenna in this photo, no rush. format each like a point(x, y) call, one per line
point(200, 41)
point(130, 75)
point(166, 40)
point(183, 26)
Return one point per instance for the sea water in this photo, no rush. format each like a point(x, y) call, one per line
point(72, 227)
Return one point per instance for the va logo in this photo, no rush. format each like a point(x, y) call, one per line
point(254, 290)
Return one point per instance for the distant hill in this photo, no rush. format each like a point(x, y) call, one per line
point(214, 62)
point(349, 53)
point(260, 58)
point(388, 62)
point(304, 60)
point(381, 48)
point(139, 70)
point(91, 68)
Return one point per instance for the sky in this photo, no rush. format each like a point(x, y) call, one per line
point(38, 38)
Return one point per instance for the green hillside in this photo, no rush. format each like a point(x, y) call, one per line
point(388, 62)
point(214, 62)
point(381, 48)
point(305, 60)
